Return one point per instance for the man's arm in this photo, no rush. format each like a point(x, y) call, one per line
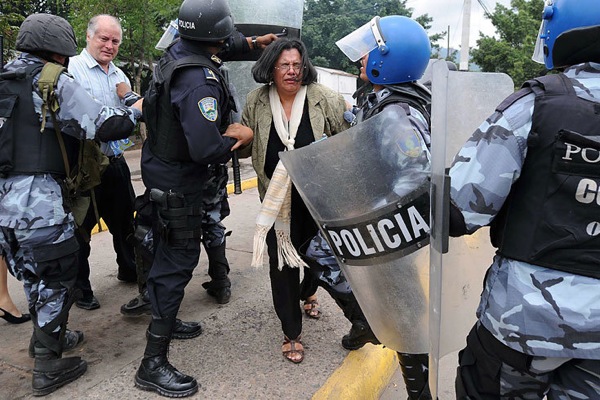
point(81, 116)
point(125, 93)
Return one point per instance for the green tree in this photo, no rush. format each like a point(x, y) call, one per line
point(142, 28)
point(517, 29)
point(326, 21)
point(13, 12)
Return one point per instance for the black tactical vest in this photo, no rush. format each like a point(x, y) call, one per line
point(551, 217)
point(23, 148)
point(165, 134)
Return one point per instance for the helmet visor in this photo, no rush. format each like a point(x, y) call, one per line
point(358, 43)
point(167, 38)
point(538, 51)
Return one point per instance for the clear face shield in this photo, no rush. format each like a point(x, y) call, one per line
point(538, 51)
point(167, 38)
point(360, 42)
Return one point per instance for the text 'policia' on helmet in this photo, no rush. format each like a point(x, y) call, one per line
point(569, 33)
point(46, 33)
point(206, 21)
point(398, 48)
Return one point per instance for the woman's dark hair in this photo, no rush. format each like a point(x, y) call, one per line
point(262, 71)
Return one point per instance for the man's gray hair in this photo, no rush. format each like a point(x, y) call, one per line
point(93, 24)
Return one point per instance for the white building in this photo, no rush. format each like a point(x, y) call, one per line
point(340, 81)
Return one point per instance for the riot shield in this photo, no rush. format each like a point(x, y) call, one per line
point(254, 17)
point(368, 190)
point(461, 101)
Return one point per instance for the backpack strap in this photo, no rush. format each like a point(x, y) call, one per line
point(46, 84)
point(194, 60)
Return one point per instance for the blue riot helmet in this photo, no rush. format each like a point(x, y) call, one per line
point(569, 33)
point(398, 48)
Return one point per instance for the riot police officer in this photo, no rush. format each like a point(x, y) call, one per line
point(186, 110)
point(530, 171)
point(37, 224)
point(215, 206)
point(398, 57)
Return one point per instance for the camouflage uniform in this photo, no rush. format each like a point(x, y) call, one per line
point(544, 320)
point(215, 209)
point(37, 229)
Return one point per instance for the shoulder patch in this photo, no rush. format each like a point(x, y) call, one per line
point(210, 74)
point(208, 108)
point(410, 144)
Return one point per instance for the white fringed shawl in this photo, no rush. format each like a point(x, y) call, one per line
point(276, 206)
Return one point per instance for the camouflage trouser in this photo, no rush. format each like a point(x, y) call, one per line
point(325, 266)
point(45, 260)
point(490, 370)
point(215, 206)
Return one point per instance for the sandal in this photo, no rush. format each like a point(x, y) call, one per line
point(293, 350)
point(312, 308)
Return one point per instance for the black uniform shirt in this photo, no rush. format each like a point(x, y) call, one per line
point(198, 102)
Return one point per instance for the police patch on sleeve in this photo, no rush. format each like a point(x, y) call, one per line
point(208, 108)
point(410, 144)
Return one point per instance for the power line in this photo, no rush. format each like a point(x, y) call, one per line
point(486, 10)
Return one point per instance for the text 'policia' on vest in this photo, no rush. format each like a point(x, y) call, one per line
point(562, 160)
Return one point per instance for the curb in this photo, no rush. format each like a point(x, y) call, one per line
point(246, 184)
point(363, 375)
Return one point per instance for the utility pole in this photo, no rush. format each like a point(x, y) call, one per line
point(466, 28)
point(448, 48)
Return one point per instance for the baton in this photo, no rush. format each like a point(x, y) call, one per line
point(237, 179)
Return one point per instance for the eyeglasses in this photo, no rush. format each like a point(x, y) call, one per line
point(287, 67)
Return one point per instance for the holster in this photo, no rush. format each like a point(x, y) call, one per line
point(174, 223)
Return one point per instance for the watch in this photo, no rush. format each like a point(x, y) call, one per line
point(254, 42)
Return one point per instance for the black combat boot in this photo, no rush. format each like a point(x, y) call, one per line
point(415, 372)
point(71, 340)
point(186, 330)
point(360, 332)
point(140, 305)
point(359, 335)
point(218, 268)
point(156, 374)
point(51, 372)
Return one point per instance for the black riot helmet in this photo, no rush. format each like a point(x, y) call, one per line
point(46, 33)
point(205, 21)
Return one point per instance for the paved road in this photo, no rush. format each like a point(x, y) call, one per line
point(237, 357)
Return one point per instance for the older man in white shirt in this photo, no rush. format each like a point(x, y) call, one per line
point(95, 70)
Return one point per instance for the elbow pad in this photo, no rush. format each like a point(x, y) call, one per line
point(115, 128)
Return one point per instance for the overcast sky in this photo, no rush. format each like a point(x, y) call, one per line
point(450, 13)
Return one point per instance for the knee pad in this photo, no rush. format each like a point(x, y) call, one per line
point(57, 264)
